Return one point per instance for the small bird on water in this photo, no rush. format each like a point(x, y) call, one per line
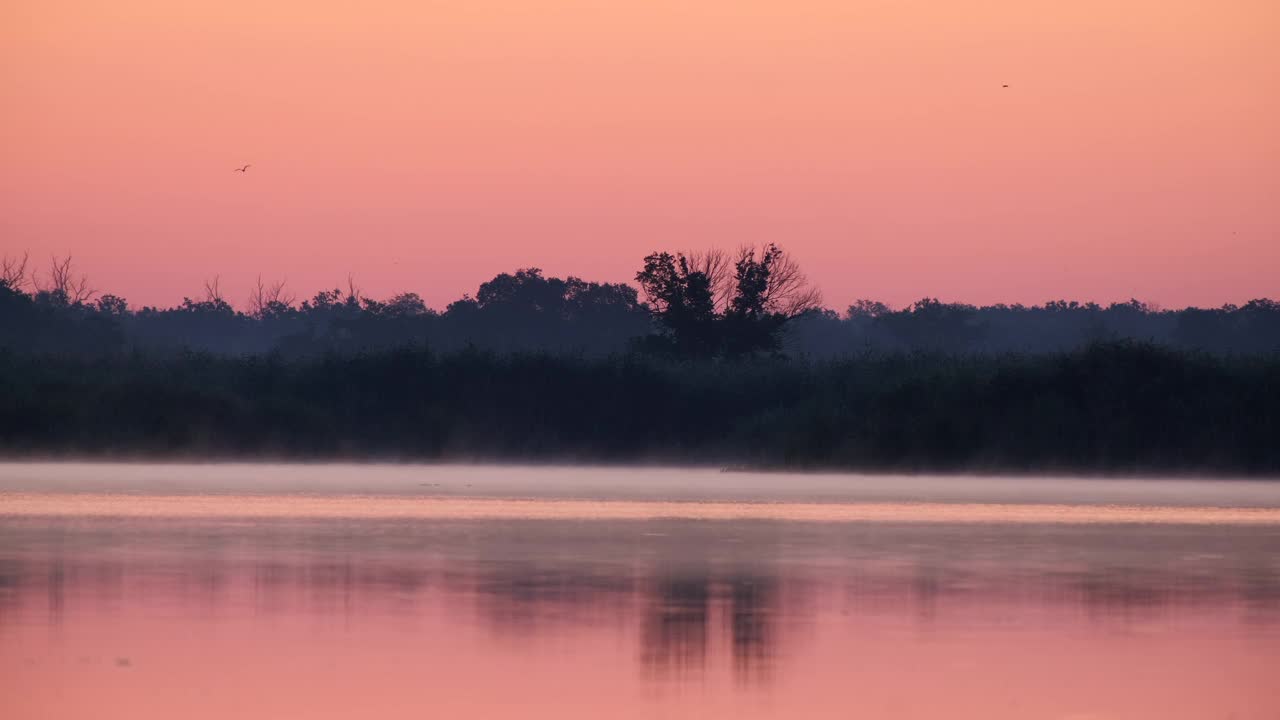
point(243, 169)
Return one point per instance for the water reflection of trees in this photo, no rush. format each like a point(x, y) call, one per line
point(673, 638)
point(685, 616)
point(677, 607)
point(522, 599)
point(690, 615)
point(753, 618)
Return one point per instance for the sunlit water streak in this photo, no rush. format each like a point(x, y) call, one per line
point(380, 507)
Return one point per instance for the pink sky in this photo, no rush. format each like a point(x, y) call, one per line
point(428, 145)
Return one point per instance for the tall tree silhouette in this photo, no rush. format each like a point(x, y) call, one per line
point(707, 310)
point(683, 300)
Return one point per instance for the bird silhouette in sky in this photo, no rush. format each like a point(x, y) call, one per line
point(1004, 86)
point(243, 169)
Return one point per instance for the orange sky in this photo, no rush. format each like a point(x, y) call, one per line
point(428, 144)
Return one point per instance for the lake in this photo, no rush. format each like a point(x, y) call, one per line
point(397, 591)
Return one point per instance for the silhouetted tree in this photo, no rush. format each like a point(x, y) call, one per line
point(718, 266)
point(768, 292)
point(405, 304)
point(683, 300)
point(867, 309)
point(761, 295)
point(269, 300)
point(527, 310)
point(113, 305)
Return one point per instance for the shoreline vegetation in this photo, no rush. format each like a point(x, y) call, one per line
point(721, 360)
point(688, 305)
point(1106, 408)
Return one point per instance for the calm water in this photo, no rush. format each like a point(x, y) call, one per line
point(172, 591)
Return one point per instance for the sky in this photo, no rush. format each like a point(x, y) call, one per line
point(427, 145)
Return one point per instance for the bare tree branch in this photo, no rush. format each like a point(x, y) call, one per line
point(212, 291)
point(718, 267)
point(353, 291)
point(264, 298)
point(63, 282)
point(788, 292)
point(13, 271)
point(280, 296)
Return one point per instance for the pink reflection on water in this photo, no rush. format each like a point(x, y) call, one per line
point(564, 618)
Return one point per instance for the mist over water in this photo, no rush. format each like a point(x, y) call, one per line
point(551, 482)
point(290, 614)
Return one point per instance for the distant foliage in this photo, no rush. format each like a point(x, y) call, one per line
point(1114, 407)
point(932, 325)
point(727, 359)
point(689, 305)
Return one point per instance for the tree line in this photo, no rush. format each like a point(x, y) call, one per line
point(755, 302)
point(1110, 407)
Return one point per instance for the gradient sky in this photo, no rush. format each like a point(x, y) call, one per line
point(428, 144)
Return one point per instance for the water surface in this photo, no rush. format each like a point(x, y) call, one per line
point(161, 591)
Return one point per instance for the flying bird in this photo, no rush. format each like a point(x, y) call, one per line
point(1004, 86)
point(243, 169)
